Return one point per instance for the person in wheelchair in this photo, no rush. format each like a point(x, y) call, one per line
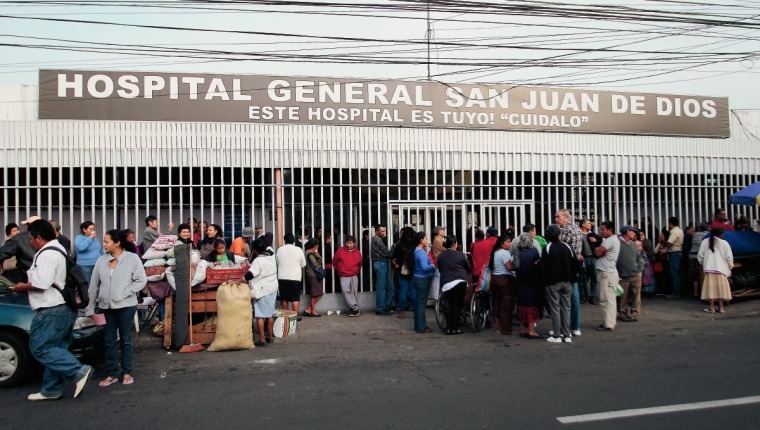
point(455, 269)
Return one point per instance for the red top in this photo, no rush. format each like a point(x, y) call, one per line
point(347, 263)
point(726, 226)
point(481, 254)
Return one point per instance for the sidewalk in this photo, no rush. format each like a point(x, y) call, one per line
point(654, 310)
point(340, 329)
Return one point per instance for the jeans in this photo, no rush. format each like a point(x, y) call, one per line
point(49, 338)
point(675, 270)
point(120, 320)
point(422, 289)
point(575, 307)
point(87, 272)
point(592, 285)
point(383, 286)
point(405, 288)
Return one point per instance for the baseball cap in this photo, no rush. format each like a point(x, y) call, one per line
point(626, 228)
point(247, 232)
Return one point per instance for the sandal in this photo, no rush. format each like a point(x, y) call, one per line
point(108, 381)
point(259, 343)
point(603, 328)
point(708, 311)
point(127, 380)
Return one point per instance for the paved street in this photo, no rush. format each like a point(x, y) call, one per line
point(375, 372)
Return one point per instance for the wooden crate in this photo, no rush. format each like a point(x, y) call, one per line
point(217, 276)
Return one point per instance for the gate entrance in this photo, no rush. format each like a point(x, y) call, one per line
point(460, 217)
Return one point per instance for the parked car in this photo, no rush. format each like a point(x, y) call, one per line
point(16, 361)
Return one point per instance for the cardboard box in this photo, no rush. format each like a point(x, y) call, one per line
point(284, 323)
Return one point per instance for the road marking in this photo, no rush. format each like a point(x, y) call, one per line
point(657, 410)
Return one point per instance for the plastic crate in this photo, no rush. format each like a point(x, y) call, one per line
point(219, 275)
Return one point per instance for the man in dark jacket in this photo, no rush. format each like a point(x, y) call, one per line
point(560, 269)
point(19, 246)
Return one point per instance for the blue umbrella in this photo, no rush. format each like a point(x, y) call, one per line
point(748, 196)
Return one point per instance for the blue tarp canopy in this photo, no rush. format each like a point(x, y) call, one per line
point(743, 243)
point(748, 196)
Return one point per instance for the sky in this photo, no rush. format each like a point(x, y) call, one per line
point(707, 48)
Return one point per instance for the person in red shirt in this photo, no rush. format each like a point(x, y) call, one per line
point(481, 253)
point(347, 261)
point(721, 220)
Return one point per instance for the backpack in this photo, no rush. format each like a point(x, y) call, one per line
point(75, 291)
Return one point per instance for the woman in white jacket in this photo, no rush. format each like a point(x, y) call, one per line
point(716, 258)
point(262, 278)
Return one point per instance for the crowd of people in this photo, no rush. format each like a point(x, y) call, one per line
point(529, 274)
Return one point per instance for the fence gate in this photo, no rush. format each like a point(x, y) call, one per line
point(459, 217)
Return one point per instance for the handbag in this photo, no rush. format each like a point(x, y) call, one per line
point(320, 272)
point(484, 282)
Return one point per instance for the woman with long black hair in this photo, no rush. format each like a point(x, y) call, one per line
point(717, 260)
point(399, 255)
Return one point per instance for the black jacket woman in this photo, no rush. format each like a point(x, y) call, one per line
point(455, 269)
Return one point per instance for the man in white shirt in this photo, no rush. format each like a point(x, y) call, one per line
point(675, 247)
point(51, 331)
point(290, 263)
point(607, 274)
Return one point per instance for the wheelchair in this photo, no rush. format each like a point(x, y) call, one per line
point(480, 310)
point(442, 310)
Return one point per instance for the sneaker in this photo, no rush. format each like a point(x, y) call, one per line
point(357, 312)
point(351, 313)
point(384, 312)
point(39, 396)
point(553, 339)
point(82, 381)
point(567, 339)
point(551, 333)
point(576, 332)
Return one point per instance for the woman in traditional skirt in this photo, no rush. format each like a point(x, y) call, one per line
point(530, 291)
point(716, 258)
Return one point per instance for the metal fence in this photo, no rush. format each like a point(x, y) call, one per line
point(347, 179)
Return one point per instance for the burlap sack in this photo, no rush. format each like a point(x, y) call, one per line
point(234, 320)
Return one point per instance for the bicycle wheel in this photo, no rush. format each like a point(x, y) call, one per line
point(479, 311)
point(441, 309)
